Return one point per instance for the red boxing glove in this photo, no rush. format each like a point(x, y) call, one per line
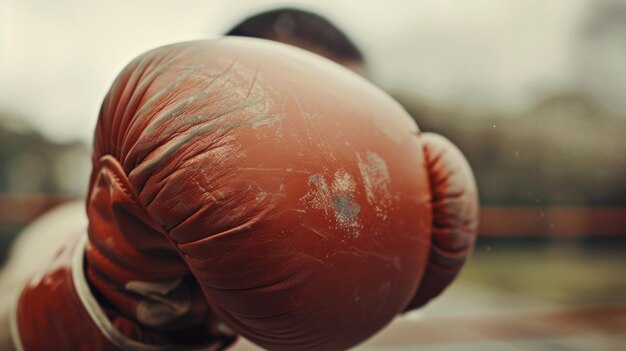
point(455, 216)
point(245, 185)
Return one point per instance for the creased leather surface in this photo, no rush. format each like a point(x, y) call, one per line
point(273, 190)
point(455, 216)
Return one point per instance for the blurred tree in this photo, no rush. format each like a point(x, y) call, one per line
point(32, 164)
point(600, 54)
point(566, 150)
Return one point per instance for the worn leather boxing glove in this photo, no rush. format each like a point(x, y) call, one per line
point(245, 186)
point(454, 200)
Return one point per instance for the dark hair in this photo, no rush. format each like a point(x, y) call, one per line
point(301, 26)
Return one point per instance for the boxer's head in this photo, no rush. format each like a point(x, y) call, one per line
point(305, 30)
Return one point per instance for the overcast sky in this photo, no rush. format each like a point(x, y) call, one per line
point(58, 58)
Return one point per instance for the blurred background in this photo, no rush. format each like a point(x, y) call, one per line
point(533, 92)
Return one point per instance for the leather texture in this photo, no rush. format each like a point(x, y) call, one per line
point(245, 185)
point(45, 302)
point(455, 216)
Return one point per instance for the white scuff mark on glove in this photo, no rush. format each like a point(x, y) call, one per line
point(268, 121)
point(318, 196)
point(376, 180)
point(163, 301)
point(226, 148)
point(337, 199)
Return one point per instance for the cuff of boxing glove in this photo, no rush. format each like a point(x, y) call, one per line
point(97, 315)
